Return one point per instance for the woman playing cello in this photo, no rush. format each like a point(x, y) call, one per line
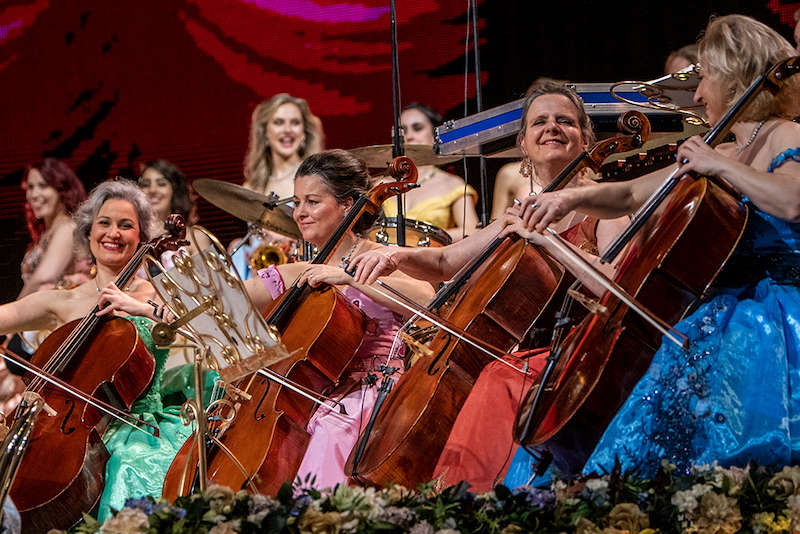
point(554, 133)
point(731, 397)
point(112, 222)
point(325, 187)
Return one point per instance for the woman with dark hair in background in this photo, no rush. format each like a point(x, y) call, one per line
point(168, 192)
point(442, 199)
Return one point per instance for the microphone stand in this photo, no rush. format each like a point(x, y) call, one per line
point(397, 150)
point(383, 391)
point(484, 184)
point(397, 139)
point(563, 321)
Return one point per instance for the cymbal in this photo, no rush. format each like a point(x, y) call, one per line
point(248, 206)
point(379, 156)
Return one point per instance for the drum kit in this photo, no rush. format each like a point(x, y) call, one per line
point(268, 213)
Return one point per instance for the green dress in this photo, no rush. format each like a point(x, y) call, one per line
point(139, 462)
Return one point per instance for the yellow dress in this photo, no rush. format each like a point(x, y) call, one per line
point(435, 210)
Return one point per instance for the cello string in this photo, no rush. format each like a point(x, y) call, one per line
point(401, 300)
point(116, 413)
point(285, 382)
point(81, 333)
point(609, 285)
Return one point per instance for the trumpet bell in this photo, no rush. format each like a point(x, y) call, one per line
point(267, 255)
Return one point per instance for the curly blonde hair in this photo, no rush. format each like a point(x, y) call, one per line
point(735, 50)
point(258, 161)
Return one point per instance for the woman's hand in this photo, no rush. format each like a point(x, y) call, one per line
point(540, 211)
point(370, 265)
point(695, 155)
point(111, 299)
point(513, 224)
point(316, 275)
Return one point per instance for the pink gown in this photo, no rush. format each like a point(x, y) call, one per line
point(334, 435)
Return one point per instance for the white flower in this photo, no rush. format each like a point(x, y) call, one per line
point(686, 501)
point(128, 520)
point(597, 484)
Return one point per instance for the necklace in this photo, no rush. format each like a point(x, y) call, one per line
point(740, 149)
point(97, 286)
point(428, 175)
point(346, 258)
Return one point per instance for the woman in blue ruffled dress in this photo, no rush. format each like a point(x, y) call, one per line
point(734, 396)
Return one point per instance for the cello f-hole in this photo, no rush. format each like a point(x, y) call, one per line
point(433, 367)
point(258, 415)
point(64, 429)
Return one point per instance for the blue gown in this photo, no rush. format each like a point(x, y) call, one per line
point(735, 395)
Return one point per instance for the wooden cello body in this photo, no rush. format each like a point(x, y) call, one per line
point(269, 436)
point(510, 293)
point(514, 291)
point(62, 473)
point(668, 270)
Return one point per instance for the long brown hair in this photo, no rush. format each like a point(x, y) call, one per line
point(258, 161)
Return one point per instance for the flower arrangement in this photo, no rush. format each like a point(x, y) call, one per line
point(709, 500)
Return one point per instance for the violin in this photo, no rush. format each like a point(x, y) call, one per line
point(670, 268)
point(62, 473)
point(509, 293)
point(265, 442)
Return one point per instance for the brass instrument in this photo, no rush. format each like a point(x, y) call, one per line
point(266, 255)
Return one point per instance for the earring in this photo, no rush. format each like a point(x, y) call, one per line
point(303, 143)
point(525, 167)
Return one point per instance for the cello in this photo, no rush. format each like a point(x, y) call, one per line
point(564, 414)
point(512, 289)
point(100, 357)
point(264, 443)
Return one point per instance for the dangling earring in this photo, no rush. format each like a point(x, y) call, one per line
point(525, 167)
point(303, 143)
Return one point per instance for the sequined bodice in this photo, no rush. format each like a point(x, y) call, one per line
point(770, 248)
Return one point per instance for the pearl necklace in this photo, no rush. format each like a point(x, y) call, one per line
point(740, 149)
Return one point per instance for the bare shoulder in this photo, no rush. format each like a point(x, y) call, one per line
point(59, 306)
point(509, 172)
point(141, 289)
point(449, 180)
point(785, 135)
point(66, 228)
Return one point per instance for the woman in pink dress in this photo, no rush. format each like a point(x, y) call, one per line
point(325, 188)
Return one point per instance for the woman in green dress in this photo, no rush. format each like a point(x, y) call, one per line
point(112, 222)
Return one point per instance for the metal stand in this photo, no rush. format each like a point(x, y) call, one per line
point(383, 391)
point(563, 321)
point(200, 418)
point(397, 140)
point(252, 231)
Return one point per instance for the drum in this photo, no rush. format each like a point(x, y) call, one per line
point(418, 233)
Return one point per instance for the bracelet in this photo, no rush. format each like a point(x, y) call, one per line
point(158, 311)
